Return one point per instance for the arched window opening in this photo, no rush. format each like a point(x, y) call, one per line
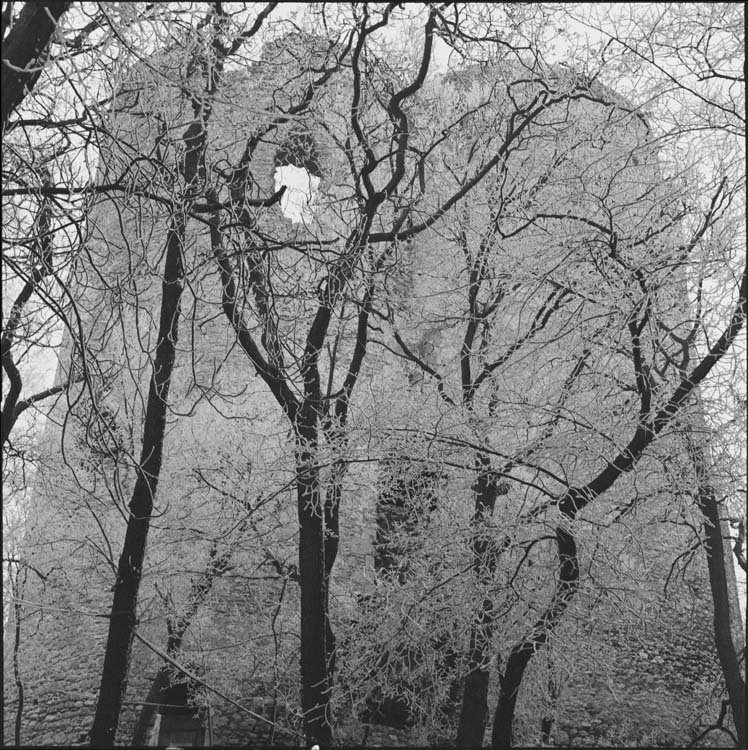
point(297, 167)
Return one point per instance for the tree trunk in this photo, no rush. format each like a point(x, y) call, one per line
point(511, 680)
point(726, 652)
point(316, 643)
point(123, 619)
point(17, 592)
point(331, 543)
point(715, 559)
point(23, 52)
point(474, 713)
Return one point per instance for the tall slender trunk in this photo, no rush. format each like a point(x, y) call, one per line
point(316, 641)
point(123, 617)
point(16, 589)
point(715, 560)
point(474, 713)
point(511, 680)
point(332, 541)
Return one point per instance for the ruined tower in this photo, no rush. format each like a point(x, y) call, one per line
point(221, 565)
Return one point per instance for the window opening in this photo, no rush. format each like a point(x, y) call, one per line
point(297, 167)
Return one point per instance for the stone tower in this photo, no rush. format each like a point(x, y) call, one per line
point(221, 560)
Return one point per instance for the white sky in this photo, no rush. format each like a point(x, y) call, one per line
point(297, 203)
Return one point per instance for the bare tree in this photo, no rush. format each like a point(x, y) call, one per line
point(192, 176)
point(692, 64)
